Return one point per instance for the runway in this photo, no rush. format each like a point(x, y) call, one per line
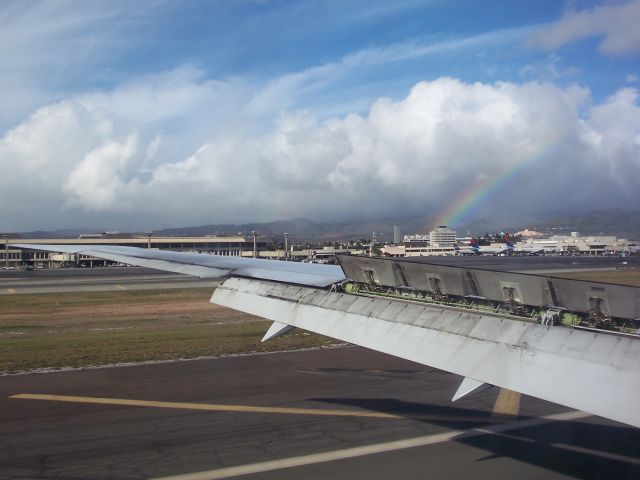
point(95, 280)
point(533, 264)
point(345, 413)
point(138, 278)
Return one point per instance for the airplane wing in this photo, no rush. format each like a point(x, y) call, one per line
point(570, 342)
point(205, 266)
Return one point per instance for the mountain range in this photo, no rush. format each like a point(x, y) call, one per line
point(619, 222)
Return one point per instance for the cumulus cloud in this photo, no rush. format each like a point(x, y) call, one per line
point(95, 157)
point(616, 24)
point(613, 137)
point(96, 183)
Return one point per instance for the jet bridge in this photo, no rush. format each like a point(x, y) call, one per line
point(538, 298)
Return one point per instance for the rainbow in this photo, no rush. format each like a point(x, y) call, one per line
point(479, 191)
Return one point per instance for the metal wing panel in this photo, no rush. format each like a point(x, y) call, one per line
point(207, 266)
point(534, 290)
point(164, 265)
point(595, 372)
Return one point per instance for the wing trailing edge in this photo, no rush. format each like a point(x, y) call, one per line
point(595, 372)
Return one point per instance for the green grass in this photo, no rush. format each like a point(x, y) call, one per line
point(33, 302)
point(629, 276)
point(86, 349)
point(89, 329)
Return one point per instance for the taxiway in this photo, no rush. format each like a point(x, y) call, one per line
point(95, 280)
point(344, 413)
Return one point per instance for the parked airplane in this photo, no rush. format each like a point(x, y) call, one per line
point(534, 334)
point(464, 250)
point(475, 249)
point(523, 250)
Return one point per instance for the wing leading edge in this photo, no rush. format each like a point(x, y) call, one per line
point(206, 266)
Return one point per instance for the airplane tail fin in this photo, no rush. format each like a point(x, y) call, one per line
point(508, 242)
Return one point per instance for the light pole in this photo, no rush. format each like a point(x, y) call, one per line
point(255, 250)
point(286, 246)
point(6, 251)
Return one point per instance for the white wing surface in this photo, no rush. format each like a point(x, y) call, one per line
point(206, 266)
point(595, 372)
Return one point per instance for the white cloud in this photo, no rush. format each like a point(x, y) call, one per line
point(551, 68)
point(616, 24)
point(94, 158)
point(612, 133)
point(96, 182)
point(421, 47)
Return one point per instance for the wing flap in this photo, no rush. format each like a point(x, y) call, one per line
point(595, 372)
point(469, 386)
point(275, 330)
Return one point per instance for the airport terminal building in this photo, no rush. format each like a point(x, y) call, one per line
point(13, 257)
point(576, 244)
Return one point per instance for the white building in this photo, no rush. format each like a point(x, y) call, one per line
point(576, 244)
point(15, 257)
point(442, 237)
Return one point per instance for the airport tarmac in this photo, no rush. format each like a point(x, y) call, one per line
point(344, 413)
point(95, 280)
point(533, 263)
point(138, 278)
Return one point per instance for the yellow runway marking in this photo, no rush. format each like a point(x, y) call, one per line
point(203, 406)
point(483, 420)
point(121, 287)
point(11, 290)
point(332, 456)
point(507, 403)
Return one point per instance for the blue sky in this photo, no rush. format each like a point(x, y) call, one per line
point(114, 101)
point(100, 45)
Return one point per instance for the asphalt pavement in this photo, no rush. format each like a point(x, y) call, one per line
point(533, 263)
point(95, 279)
point(345, 413)
point(138, 278)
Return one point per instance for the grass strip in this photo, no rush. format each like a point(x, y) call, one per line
point(90, 348)
point(629, 276)
point(99, 328)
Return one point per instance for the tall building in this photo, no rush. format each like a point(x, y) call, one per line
point(442, 237)
point(396, 235)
